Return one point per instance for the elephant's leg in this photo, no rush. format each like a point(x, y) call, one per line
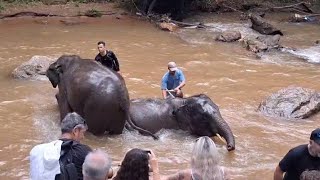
point(63, 104)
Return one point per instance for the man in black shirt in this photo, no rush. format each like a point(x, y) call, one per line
point(107, 58)
point(299, 159)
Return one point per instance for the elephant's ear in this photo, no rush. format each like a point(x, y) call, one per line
point(53, 74)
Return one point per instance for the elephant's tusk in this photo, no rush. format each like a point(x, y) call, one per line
point(220, 138)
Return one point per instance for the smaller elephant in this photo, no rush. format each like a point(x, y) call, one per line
point(196, 114)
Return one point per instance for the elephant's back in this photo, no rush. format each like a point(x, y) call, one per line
point(94, 86)
point(91, 77)
point(152, 114)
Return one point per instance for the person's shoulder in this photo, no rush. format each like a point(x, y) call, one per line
point(165, 75)
point(82, 147)
point(182, 174)
point(109, 52)
point(297, 151)
point(98, 56)
point(180, 71)
point(186, 172)
point(300, 148)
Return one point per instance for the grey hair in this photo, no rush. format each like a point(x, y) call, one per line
point(205, 160)
point(70, 121)
point(310, 175)
point(96, 165)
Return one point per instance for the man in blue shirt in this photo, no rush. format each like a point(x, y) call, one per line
point(172, 81)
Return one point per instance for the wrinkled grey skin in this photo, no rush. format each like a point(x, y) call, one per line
point(196, 114)
point(95, 92)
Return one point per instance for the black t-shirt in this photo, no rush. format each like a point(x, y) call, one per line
point(109, 60)
point(79, 153)
point(298, 160)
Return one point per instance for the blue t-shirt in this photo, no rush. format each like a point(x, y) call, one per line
point(170, 82)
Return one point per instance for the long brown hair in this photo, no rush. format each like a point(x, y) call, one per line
point(135, 166)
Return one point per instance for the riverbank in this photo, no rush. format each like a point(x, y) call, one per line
point(69, 9)
point(78, 8)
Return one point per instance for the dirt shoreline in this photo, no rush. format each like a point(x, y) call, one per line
point(69, 9)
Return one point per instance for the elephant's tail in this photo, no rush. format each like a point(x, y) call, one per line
point(142, 131)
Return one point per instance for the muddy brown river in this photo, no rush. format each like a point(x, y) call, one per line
point(234, 79)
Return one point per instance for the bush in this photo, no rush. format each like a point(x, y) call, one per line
point(204, 5)
point(1, 6)
point(93, 13)
point(129, 5)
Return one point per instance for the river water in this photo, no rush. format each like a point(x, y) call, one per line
point(234, 79)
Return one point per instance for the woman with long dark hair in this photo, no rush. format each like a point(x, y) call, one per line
point(135, 166)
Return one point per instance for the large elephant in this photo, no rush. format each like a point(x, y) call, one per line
point(95, 92)
point(196, 114)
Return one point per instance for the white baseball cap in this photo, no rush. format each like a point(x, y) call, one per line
point(172, 66)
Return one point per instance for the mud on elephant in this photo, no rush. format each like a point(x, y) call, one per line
point(95, 92)
point(196, 114)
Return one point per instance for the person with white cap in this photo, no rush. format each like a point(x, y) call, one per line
point(172, 82)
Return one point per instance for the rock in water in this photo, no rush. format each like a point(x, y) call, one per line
point(168, 26)
point(291, 102)
point(261, 43)
point(262, 26)
point(35, 68)
point(229, 36)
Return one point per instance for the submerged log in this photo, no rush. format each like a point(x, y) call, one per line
point(304, 18)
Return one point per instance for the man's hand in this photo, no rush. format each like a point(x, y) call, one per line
point(177, 90)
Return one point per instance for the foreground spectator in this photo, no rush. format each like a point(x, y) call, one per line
point(204, 163)
point(310, 175)
point(135, 166)
point(299, 159)
point(64, 156)
point(97, 166)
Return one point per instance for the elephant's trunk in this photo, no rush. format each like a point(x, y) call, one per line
point(225, 131)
